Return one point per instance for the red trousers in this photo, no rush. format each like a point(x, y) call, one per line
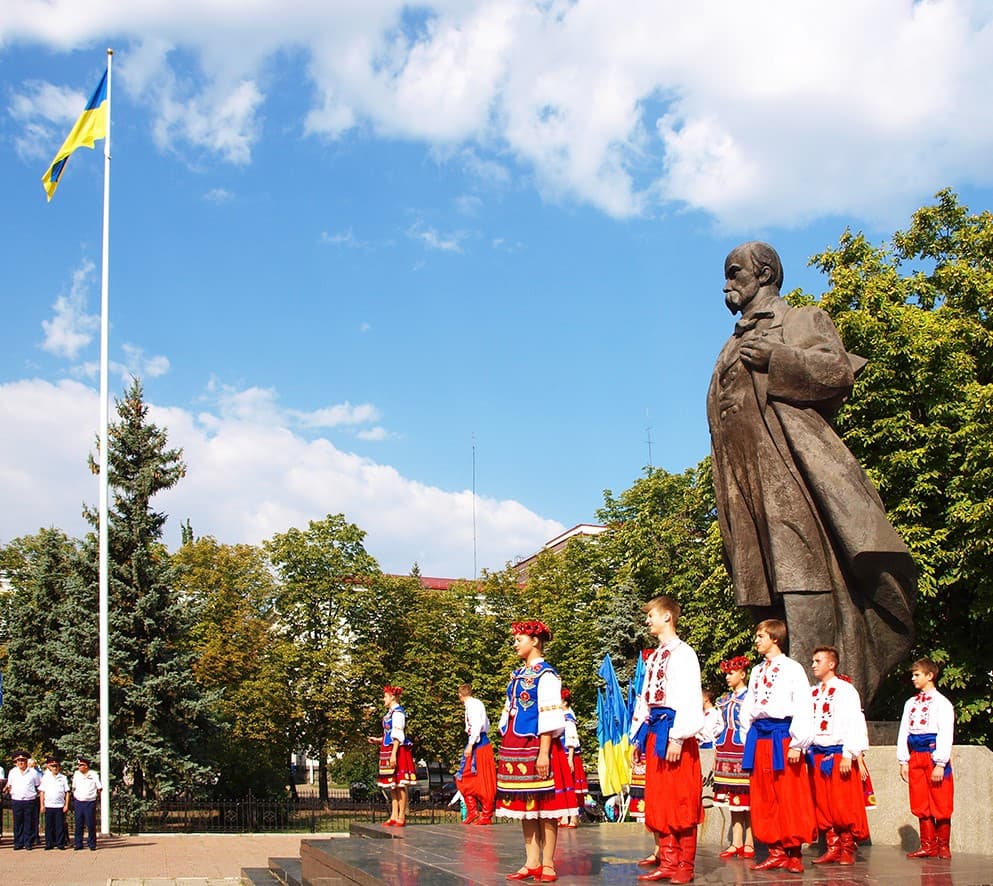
point(673, 791)
point(929, 800)
point(482, 782)
point(839, 801)
point(782, 807)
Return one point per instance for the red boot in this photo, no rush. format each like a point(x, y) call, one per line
point(776, 859)
point(929, 848)
point(833, 853)
point(943, 832)
point(847, 848)
point(471, 809)
point(668, 859)
point(687, 857)
point(794, 860)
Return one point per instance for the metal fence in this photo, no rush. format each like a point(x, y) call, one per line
point(257, 815)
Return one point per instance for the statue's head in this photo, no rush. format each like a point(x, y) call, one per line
point(747, 269)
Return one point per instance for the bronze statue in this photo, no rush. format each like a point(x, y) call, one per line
point(805, 534)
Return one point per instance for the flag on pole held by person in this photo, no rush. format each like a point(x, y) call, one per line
point(91, 125)
point(614, 753)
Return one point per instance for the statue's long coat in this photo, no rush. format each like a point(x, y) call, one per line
point(797, 512)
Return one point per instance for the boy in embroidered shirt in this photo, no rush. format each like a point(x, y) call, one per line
point(777, 716)
point(839, 740)
point(924, 751)
point(667, 717)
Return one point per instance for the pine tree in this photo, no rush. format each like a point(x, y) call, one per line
point(159, 721)
point(48, 638)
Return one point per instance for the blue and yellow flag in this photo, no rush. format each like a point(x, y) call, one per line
point(91, 125)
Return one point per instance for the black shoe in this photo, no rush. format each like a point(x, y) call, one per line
point(76, 848)
point(93, 849)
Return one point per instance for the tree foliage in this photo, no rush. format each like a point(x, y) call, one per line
point(158, 715)
point(241, 659)
point(320, 569)
point(921, 422)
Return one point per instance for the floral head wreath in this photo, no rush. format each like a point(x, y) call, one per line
point(393, 690)
point(532, 628)
point(566, 694)
point(738, 663)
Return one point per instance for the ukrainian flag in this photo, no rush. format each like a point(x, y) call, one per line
point(91, 125)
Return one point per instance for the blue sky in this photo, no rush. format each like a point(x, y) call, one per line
point(350, 242)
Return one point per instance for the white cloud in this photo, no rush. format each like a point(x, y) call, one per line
point(631, 106)
point(434, 239)
point(343, 238)
point(71, 328)
point(337, 415)
point(374, 434)
point(249, 478)
point(45, 112)
point(218, 195)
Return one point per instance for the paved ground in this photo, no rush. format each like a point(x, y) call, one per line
point(148, 860)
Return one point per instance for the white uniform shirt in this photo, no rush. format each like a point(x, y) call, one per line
point(85, 787)
point(476, 721)
point(927, 712)
point(672, 680)
point(713, 726)
point(54, 787)
point(838, 718)
point(778, 688)
point(23, 785)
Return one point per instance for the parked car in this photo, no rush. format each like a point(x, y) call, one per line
point(443, 796)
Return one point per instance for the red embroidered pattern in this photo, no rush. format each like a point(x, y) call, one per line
point(822, 707)
point(920, 715)
point(655, 681)
point(766, 681)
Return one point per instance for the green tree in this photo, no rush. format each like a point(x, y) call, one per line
point(50, 638)
point(240, 659)
point(158, 714)
point(921, 422)
point(319, 570)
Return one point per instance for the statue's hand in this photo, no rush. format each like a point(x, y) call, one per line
point(756, 352)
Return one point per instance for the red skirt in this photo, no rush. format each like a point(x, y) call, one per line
point(579, 782)
point(929, 800)
point(673, 791)
point(839, 800)
point(482, 782)
point(782, 808)
point(398, 776)
point(521, 792)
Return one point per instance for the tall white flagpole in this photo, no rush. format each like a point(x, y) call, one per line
point(104, 482)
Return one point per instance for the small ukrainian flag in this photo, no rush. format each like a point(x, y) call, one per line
point(91, 125)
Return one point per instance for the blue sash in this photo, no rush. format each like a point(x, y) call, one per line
point(774, 728)
point(925, 743)
point(659, 723)
point(827, 756)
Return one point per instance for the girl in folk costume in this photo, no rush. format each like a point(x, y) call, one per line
point(533, 779)
point(667, 717)
point(730, 781)
point(924, 752)
point(396, 760)
point(777, 718)
point(570, 741)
